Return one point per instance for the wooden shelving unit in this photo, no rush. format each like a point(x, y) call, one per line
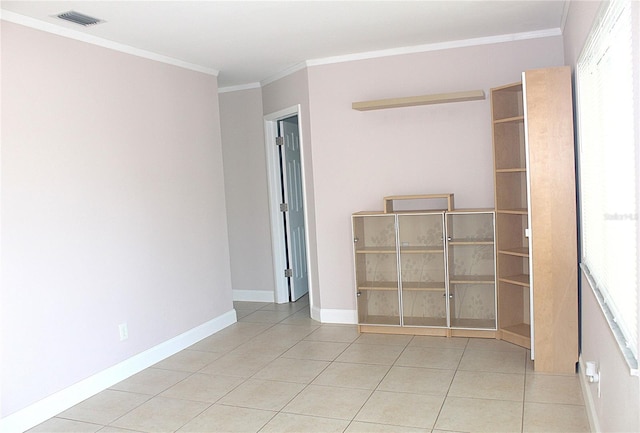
point(536, 242)
point(512, 213)
point(425, 272)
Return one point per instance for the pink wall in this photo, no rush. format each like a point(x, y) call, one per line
point(616, 409)
point(359, 157)
point(245, 172)
point(112, 209)
point(579, 21)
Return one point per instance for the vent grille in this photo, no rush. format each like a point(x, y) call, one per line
point(78, 18)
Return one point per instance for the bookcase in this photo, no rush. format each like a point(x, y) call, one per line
point(426, 272)
point(536, 235)
point(512, 214)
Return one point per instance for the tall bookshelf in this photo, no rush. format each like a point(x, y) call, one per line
point(536, 236)
point(511, 214)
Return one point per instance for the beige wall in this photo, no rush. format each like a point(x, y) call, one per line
point(360, 157)
point(353, 159)
point(112, 210)
point(245, 174)
point(616, 409)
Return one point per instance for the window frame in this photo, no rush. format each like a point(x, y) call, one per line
point(631, 349)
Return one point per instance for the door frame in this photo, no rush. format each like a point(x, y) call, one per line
point(279, 251)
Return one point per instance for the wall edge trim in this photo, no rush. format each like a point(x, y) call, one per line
point(347, 317)
point(254, 295)
point(239, 87)
point(104, 43)
point(436, 46)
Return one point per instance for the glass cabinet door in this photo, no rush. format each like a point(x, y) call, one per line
point(471, 268)
point(422, 266)
point(376, 267)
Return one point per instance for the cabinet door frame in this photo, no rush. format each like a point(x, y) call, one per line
point(481, 242)
point(361, 255)
point(442, 254)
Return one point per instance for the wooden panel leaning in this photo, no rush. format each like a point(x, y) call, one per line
point(549, 125)
point(536, 235)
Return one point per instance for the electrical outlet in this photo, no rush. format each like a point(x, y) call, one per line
point(124, 331)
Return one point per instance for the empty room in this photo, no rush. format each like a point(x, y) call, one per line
point(319, 216)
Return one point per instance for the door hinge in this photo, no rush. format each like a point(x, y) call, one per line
point(284, 207)
point(288, 273)
point(279, 141)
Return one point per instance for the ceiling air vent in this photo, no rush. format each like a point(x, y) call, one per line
point(78, 18)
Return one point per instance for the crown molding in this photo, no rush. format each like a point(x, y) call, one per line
point(84, 37)
point(290, 70)
point(413, 49)
point(94, 40)
point(239, 87)
point(436, 47)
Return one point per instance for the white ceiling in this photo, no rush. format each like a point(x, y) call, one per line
point(253, 41)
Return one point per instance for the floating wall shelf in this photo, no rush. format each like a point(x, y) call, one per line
point(411, 101)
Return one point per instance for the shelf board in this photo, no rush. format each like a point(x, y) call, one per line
point(472, 279)
point(376, 250)
point(511, 170)
point(520, 252)
point(510, 119)
point(423, 286)
point(519, 334)
point(412, 101)
point(471, 242)
point(424, 321)
point(518, 280)
point(511, 87)
point(516, 211)
point(390, 286)
point(370, 213)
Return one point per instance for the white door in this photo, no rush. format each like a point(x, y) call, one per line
point(294, 215)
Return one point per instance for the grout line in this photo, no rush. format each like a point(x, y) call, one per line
point(524, 391)
point(466, 350)
point(444, 400)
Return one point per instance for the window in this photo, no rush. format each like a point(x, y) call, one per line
point(607, 80)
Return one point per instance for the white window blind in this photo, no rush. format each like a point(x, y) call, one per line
point(607, 85)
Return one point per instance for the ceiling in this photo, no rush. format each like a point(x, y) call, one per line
point(253, 41)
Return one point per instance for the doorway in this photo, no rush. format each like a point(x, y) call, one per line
point(292, 207)
point(287, 205)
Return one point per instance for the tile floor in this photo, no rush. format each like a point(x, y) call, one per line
point(276, 370)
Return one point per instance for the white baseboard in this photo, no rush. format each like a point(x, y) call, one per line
point(338, 316)
point(48, 407)
point(315, 313)
point(589, 402)
point(254, 295)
